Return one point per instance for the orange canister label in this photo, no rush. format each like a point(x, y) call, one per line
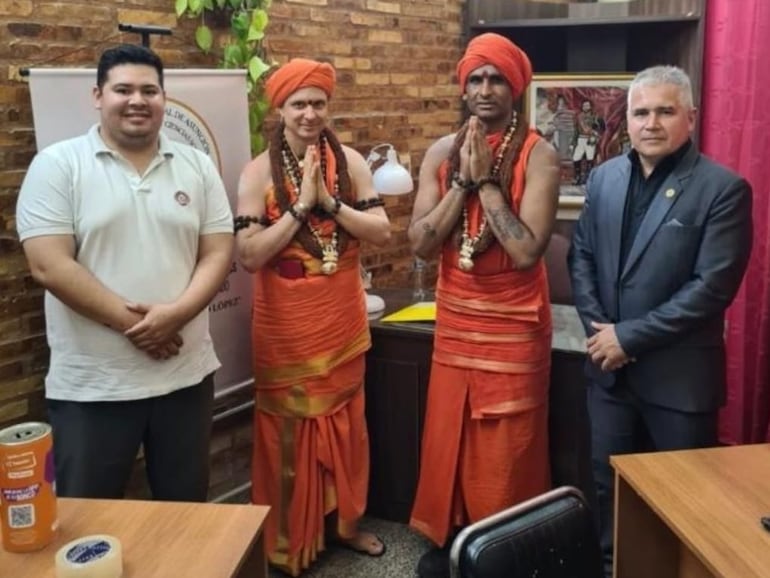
point(27, 488)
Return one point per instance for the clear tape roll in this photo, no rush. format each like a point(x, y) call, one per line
point(97, 556)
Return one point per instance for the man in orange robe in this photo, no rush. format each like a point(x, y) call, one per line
point(486, 202)
point(304, 205)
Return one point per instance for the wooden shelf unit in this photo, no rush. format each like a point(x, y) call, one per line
point(597, 37)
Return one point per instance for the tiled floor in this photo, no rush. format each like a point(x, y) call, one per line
point(404, 548)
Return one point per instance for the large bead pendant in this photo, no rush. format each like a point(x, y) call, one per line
point(329, 268)
point(465, 261)
point(330, 258)
point(465, 264)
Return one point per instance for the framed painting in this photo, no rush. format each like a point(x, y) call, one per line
point(584, 117)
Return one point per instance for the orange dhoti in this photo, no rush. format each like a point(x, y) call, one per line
point(311, 448)
point(474, 467)
point(306, 467)
point(485, 441)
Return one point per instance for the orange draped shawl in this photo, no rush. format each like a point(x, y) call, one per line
point(311, 452)
point(485, 443)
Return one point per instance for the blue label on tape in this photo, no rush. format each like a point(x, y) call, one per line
point(88, 550)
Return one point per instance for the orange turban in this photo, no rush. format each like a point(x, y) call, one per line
point(509, 59)
point(299, 73)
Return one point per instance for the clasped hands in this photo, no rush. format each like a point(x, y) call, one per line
point(155, 329)
point(604, 348)
point(475, 154)
point(312, 190)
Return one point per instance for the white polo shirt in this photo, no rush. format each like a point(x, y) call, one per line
point(139, 236)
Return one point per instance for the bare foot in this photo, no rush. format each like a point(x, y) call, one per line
point(365, 543)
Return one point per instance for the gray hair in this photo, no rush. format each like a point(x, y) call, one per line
point(664, 74)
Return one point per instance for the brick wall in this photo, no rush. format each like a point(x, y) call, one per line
point(395, 62)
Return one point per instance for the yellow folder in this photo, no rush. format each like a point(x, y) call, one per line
point(422, 311)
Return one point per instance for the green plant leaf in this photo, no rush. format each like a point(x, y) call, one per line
point(204, 38)
point(262, 106)
point(221, 3)
point(235, 4)
point(259, 20)
point(195, 6)
point(208, 4)
point(254, 119)
point(257, 143)
point(232, 56)
point(180, 6)
point(257, 67)
point(259, 113)
point(255, 35)
point(243, 54)
point(240, 24)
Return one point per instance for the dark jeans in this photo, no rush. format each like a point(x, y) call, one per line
point(621, 423)
point(96, 444)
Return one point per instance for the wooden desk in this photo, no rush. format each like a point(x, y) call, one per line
point(159, 539)
point(397, 375)
point(693, 514)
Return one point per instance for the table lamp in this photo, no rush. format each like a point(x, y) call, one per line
point(390, 178)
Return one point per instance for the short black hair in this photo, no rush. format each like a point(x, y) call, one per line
point(127, 54)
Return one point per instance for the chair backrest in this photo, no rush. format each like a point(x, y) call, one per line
point(555, 256)
point(550, 536)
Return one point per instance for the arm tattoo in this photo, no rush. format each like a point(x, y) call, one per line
point(430, 231)
point(506, 224)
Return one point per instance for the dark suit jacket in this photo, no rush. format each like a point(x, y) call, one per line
point(683, 270)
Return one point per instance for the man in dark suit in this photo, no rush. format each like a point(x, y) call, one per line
point(658, 255)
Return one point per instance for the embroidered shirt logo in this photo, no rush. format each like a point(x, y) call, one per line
point(182, 198)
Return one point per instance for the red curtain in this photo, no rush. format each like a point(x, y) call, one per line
point(736, 132)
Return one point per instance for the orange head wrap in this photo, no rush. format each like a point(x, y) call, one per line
point(509, 59)
point(299, 73)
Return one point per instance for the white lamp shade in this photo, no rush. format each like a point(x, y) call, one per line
point(374, 303)
point(391, 178)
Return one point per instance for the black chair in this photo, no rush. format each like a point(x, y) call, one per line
point(550, 536)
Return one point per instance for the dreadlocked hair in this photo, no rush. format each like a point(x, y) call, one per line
point(284, 198)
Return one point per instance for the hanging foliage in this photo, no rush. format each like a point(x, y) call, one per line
point(243, 48)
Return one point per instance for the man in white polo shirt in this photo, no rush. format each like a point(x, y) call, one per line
point(130, 233)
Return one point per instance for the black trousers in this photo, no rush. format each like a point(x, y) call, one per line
point(96, 444)
point(621, 423)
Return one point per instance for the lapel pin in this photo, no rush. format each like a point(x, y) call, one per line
point(670, 193)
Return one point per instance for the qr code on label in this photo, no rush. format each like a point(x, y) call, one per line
point(21, 516)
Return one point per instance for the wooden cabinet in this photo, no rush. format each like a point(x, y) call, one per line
point(587, 37)
point(397, 375)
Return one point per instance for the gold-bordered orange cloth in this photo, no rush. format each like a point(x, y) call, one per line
point(311, 452)
point(485, 442)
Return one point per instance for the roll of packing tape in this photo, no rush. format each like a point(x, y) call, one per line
point(98, 556)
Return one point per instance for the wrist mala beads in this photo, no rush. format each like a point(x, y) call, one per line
point(299, 211)
point(366, 204)
point(474, 186)
point(336, 208)
point(245, 221)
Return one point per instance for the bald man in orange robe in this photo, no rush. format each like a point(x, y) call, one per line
point(486, 204)
point(304, 205)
